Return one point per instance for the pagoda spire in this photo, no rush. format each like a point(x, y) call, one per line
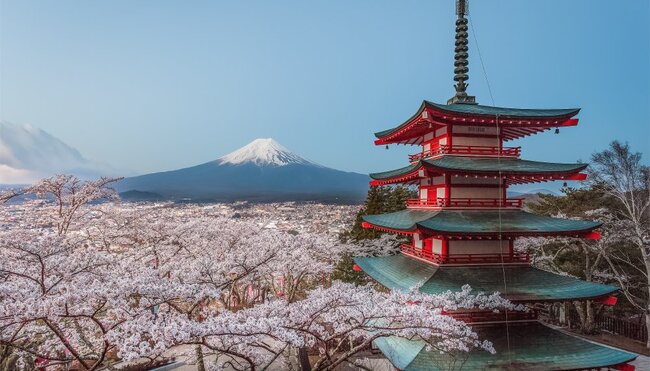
point(460, 58)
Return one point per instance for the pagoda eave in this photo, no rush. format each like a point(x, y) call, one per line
point(366, 225)
point(508, 179)
point(517, 347)
point(474, 224)
point(515, 123)
point(513, 170)
point(524, 283)
point(588, 234)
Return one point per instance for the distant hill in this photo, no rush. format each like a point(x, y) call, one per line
point(141, 196)
point(263, 170)
point(531, 196)
point(28, 153)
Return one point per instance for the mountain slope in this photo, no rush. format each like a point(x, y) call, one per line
point(28, 153)
point(263, 170)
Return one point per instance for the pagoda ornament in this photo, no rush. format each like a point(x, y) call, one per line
point(461, 63)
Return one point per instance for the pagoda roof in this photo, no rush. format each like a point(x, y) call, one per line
point(482, 166)
point(532, 346)
point(478, 222)
point(516, 122)
point(523, 283)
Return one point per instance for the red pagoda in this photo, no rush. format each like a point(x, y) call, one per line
point(463, 226)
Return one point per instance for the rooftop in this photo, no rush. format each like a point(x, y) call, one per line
point(479, 222)
point(484, 166)
point(522, 283)
point(512, 120)
point(530, 346)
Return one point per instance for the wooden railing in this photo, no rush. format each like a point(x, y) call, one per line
point(411, 250)
point(500, 316)
point(465, 258)
point(467, 150)
point(466, 202)
point(635, 330)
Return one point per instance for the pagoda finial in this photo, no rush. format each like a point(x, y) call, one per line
point(460, 58)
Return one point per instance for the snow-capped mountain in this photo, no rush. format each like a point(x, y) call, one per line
point(263, 152)
point(28, 153)
point(262, 170)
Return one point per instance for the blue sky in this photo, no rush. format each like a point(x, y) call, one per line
point(155, 85)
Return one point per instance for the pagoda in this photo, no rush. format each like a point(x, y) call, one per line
point(462, 228)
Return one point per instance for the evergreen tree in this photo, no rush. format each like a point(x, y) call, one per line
point(573, 203)
point(379, 200)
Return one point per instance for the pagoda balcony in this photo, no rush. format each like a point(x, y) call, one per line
point(465, 259)
point(466, 150)
point(465, 203)
point(487, 316)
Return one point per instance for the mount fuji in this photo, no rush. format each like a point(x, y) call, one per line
point(262, 170)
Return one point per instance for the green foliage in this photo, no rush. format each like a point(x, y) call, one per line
point(577, 258)
point(379, 200)
point(345, 272)
point(574, 203)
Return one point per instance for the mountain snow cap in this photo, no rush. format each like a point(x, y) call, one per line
point(263, 152)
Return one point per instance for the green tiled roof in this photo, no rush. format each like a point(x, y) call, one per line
point(396, 173)
point(478, 222)
point(530, 346)
point(484, 165)
point(390, 131)
point(504, 165)
point(524, 283)
point(396, 272)
point(479, 110)
point(403, 220)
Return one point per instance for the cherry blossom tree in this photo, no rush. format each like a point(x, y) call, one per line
point(90, 283)
point(257, 337)
point(69, 194)
point(8, 194)
point(619, 173)
point(74, 292)
point(583, 258)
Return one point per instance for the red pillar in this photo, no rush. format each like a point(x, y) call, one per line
point(447, 188)
point(444, 250)
point(427, 247)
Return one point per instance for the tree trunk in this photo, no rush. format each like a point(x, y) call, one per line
point(586, 314)
point(200, 365)
point(303, 357)
point(647, 328)
point(590, 322)
point(8, 359)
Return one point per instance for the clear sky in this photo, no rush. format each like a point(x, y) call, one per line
point(157, 85)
